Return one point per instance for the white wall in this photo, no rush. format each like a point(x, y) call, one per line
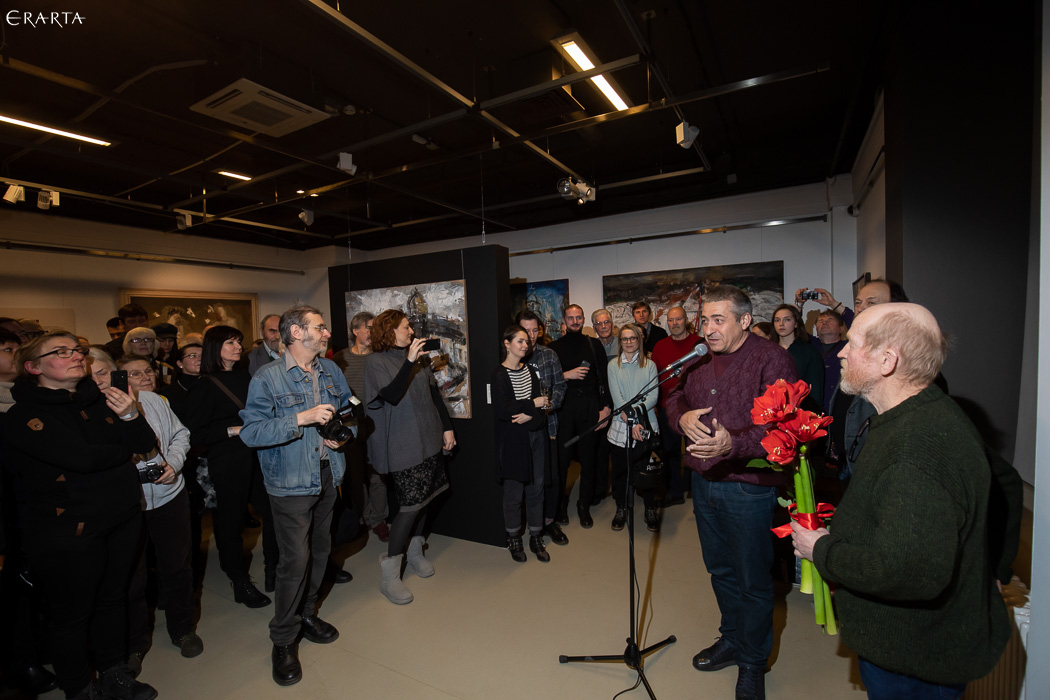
point(90, 285)
point(815, 254)
point(871, 214)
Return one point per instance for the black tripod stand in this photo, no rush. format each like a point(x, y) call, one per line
point(632, 655)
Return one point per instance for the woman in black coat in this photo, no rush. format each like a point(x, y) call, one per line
point(212, 414)
point(73, 448)
point(521, 438)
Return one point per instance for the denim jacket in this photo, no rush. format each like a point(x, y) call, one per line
point(289, 454)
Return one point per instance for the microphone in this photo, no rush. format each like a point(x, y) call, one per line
point(698, 351)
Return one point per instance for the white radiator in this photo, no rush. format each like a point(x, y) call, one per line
point(1006, 681)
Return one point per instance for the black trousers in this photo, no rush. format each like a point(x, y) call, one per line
point(168, 527)
point(619, 470)
point(85, 581)
point(579, 411)
point(237, 479)
point(304, 533)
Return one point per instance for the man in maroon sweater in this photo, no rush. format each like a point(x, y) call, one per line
point(679, 343)
point(734, 505)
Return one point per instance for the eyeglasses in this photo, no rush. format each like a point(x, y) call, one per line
point(65, 353)
point(628, 340)
point(138, 341)
point(320, 328)
point(139, 373)
point(192, 356)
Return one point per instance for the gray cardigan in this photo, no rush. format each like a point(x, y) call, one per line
point(409, 430)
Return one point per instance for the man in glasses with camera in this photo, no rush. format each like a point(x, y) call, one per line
point(294, 415)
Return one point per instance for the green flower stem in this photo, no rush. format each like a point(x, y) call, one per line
point(829, 611)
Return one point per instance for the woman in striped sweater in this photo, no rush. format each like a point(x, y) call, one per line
point(520, 409)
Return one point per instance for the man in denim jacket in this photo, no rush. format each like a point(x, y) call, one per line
point(287, 400)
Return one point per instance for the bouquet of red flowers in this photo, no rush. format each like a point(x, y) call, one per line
point(789, 429)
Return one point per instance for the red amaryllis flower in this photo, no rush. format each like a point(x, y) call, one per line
point(779, 401)
point(805, 426)
point(780, 446)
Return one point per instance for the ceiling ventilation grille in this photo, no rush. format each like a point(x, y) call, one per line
point(254, 107)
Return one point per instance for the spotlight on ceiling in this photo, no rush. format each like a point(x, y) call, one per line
point(686, 134)
point(580, 191)
point(15, 193)
point(183, 221)
point(306, 216)
point(346, 163)
point(43, 200)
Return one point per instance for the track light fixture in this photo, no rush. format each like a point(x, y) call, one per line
point(183, 221)
point(14, 194)
point(580, 191)
point(686, 134)
point(306, 216)
point(346, 163)
point(43, 200)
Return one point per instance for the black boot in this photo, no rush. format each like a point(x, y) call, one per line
point(585, 515)
point(37, 680)
point(517, 549)
point(536, 545)
point(245, 592)
point(286, 668)
point(117, 683)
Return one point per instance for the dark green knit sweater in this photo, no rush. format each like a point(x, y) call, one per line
point(908, 549)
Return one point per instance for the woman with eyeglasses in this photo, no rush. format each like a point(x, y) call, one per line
point(167, 514)
point(143, 342)
point(212, 415)
point(629, 372)
point(73, 447)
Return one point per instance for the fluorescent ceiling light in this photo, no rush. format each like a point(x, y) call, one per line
point(236, 176)
point(300, 191)
point(579, 58)
point(56, 132)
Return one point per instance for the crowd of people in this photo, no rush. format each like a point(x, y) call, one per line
point(111, 451)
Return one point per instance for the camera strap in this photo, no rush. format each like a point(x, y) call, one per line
point(236, 402)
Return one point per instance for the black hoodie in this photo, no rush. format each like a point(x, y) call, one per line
point(74, 457)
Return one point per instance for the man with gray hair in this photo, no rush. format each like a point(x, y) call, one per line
point(290, 402)
point(270, 348)
point(602, 321)
point(909, 554)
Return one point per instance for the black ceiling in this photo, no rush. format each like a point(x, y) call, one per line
point(128, 73)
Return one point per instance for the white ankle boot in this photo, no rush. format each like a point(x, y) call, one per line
point(416, 560)
point(392, 586)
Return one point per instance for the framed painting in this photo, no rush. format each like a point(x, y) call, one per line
point(192, 312)
point(763, 282)
point(546, 299)
point(436, 310)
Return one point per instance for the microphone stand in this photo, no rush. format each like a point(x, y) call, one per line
point(632, 656)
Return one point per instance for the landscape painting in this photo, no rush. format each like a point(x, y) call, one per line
point(436, 310)
point(763, 282)
point(545, 299)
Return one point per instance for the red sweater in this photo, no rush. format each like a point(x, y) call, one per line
point(758, 363)
point(667, 351)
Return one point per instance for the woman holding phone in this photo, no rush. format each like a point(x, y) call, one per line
point(73, 447)
point(412, 431)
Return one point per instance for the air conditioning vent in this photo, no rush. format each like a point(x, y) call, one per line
point(254, 107)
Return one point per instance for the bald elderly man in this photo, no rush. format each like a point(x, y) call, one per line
point(908, 556)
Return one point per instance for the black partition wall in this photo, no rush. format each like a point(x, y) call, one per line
point(472, 510)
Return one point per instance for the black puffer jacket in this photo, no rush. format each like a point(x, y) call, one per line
point(74, 458)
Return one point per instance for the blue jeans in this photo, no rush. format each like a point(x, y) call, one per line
point(733, 520)
point(887, 685)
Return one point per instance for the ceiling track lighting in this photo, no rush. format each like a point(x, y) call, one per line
point(183, 220)
point(580, 190)
point(686, 134)
point(15, 194)
point(307, 217)
point(346, 163)
point(47, 199)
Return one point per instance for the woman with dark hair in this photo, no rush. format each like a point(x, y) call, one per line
point(792, 336)
point(412, 429)
point(764, 329)
point(519, 405)
point(72, 445)
point(211, 414)
point(630, 372)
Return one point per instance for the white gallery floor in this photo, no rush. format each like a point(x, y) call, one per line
point(485, 627)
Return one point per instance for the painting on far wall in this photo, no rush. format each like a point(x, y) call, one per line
point(545, 299)
point(437, 310)
point(192, 312)
point(763, 281)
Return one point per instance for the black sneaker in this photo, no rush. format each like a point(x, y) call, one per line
point(620, 519)
point(652, 519)
point(118, 684)
point(750, 684)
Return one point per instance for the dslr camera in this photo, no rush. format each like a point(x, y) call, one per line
point(150, 472)
point(335, 429)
